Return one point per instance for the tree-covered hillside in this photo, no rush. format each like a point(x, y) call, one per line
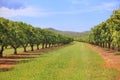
point(79, 36)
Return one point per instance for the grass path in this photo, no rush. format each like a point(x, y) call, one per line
point(74, 62)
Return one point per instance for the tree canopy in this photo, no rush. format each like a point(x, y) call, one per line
point(20, 34)
point(107, 34)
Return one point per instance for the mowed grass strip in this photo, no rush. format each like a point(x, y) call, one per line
point(73, 62)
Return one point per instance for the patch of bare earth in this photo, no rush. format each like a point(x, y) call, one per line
point(111, 59)
point(9, 61)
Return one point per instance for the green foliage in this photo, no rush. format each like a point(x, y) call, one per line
point(3, 34)
point(107, 34)
point(18, 34)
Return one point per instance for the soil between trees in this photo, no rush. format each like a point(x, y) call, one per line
point(111, 59)
point(9, 61)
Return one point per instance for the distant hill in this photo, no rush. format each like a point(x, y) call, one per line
point(72, 34)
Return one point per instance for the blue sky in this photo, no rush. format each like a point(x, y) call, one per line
point(66, 15)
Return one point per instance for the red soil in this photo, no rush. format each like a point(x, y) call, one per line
point(112, 60)
point(9, 61)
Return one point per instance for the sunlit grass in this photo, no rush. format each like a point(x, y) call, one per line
point(74, 62)
point(10, 50)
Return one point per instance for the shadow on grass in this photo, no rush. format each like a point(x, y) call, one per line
point(8, 61)
point(6, 69)
point(12, 63)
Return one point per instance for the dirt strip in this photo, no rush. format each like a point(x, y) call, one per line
point(112, 60)
point(9, 61)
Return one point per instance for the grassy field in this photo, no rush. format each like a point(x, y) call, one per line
point(73, 62)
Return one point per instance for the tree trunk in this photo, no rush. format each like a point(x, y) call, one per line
point(118, 48)
point(49, 45)
point(1, 51)
point(32, 49)
point(25, 49)
point(109, 45)
point(15, 50)
point(113, 46)
point(43, 45)
point(100, 44)
point(105, 45)
point(46, 45)
point(1, 54)
point(37, 46)
point(25, 46)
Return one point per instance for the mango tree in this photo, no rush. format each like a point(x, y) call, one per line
point(15, 36)
point(3, 35)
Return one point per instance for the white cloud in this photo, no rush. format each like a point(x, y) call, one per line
point(104, 7)
point(27, 12)
point(108, 6)
point(35, 12)
point(92, 5)
point(14, 4)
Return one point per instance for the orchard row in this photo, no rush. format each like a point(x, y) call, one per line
point(20, 34)
point(107, 34)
